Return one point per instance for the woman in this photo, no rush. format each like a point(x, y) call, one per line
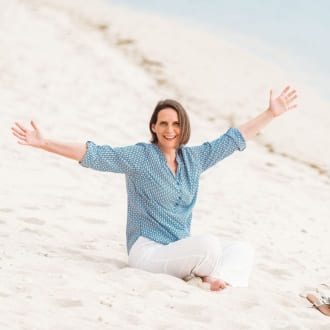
point(162, 182)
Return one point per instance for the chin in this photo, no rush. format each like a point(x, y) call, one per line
point(173, 144)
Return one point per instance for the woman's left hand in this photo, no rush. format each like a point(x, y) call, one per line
point(282, 103)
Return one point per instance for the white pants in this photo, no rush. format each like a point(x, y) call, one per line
point(196, 255)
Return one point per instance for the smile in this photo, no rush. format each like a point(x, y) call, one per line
point(169, 137)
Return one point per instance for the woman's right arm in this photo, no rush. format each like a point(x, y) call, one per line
point(34, 138)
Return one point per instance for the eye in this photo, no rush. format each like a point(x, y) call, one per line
point(177, 124)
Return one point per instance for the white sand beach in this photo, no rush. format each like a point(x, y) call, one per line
point(87, 70)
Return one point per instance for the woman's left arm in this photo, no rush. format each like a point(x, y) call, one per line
point(277, 106)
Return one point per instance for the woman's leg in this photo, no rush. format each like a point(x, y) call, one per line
point(196, 255)
point(236, 263)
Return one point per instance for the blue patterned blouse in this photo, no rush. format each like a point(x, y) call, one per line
point(160, 203)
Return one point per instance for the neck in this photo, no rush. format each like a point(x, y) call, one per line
point(169, 153)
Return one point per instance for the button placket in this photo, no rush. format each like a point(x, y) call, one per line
point(179, 193)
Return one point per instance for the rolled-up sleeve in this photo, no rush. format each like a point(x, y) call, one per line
point(107, 159)
point(210, 153)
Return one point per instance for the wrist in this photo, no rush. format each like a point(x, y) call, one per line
point(270, 113)
point(43, 144)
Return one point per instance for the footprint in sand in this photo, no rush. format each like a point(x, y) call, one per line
point(280, 273)
point(80, 255)
point(33, 221)
point(94, 221)
point(4, 295)
point(68, 303)
point(36, 232)
point(32, 207)
point(117, 264)
point(94, 203)
point(6, 210)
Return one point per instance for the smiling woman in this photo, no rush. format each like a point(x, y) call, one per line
point(170, 129)
point(179, 118)
point(168, 132)
point(162, 181)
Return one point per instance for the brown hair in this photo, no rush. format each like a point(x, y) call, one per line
point(183, 120)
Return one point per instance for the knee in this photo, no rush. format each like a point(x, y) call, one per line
point(246, 249)
point(209, 245)
point(209, 251)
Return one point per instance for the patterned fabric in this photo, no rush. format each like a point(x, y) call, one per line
point(160, 203)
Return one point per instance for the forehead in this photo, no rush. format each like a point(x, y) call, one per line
point(167, 114)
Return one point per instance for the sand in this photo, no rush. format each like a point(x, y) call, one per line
point(85, 70)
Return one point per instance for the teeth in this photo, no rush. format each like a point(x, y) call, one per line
point(170, 137)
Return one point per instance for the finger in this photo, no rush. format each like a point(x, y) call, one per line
point(18, 129)
point(285, 90)
point(291, 93)
point(34, 125)
point(19, 136)
point(21, 127)
point(14, 129)
point(292, 98)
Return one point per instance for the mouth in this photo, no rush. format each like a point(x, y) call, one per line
point(169, 137)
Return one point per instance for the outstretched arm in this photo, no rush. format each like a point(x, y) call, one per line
point(34, 138)
point(277, 106)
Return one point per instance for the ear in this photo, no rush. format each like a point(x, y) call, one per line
point(153, 127)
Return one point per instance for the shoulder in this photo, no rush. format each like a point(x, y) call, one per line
point(130, 151)
point(143, 145)
point(143, 148)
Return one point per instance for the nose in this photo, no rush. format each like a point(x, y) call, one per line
point(170, 129)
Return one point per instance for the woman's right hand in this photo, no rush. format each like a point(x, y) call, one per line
point(34, 138)
point(28, 137)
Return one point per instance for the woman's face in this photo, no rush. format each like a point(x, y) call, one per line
point(167, 129)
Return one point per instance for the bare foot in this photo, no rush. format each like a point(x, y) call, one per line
point(215, 283)
point(323, 304)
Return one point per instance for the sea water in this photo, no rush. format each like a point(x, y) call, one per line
point(295, 34)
